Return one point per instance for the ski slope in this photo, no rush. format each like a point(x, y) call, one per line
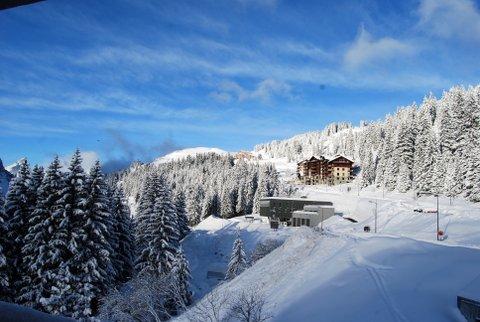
point(315, 277)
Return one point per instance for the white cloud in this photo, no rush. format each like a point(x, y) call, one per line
point(365, 50)
point(89, 159)
point(264, 91)
point(450, 18)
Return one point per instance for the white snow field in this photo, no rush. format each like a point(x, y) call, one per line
point(399, 274)
point(315, 277)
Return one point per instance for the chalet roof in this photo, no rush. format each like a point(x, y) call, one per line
point(313, 158)
point(340, 156)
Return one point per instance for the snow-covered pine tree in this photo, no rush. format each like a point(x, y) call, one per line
point(37, 178)
point(425, 151)
point(251, 187)
point(453, 179)
point(380, 170)
point(143, 232)
point(181, 275)
point(92, 262)
point(368, 169)
point(182, 219)
point(262, 190)
point(4, 272)
point(229, 198)
point(42, 250)
point(124, 252)
point(194, 204)
point(451, 135)
point(405, 150)
point(238, 260)
point(472, 145)
point(18, 210)
point(240, 206)
point(165, 237)
point(72, 295)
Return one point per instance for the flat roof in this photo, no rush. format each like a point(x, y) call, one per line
point(303, 212)
point(306, 207)
point(294, 199)
point(472, 290)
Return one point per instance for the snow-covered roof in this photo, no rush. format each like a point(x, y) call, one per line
point(303, 212)
point(294, 199)
point(316, 207)
point(340, 156)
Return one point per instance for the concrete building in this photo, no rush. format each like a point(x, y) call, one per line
point(281, 208)
point(312, 215)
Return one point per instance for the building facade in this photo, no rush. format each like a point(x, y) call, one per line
point(281, 208)
point(320, 170)
point(311, 215)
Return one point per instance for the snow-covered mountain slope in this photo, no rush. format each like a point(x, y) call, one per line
point(209, 245)
point(5, 177)
point(315, 277)
point(400, 274)
point(181, 154)
point(14, 167)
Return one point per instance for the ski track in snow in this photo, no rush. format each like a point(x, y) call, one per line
point(373, 270)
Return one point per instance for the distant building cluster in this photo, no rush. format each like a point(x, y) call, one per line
point(320, 170)
point(244, 155)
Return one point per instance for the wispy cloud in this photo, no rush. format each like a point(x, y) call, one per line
point(263, 91)
point(450, 18)
point(365, 50)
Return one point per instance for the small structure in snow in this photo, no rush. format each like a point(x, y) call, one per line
point(468, 301)
point(311, 215)
point(219, 276)
point(281, 208)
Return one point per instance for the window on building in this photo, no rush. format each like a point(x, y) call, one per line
point(303, 222)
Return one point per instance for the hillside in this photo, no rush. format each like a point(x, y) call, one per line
point(5, 177)
point(315, 277)
point(433, 146)
point(182, 154)
point(400, 274)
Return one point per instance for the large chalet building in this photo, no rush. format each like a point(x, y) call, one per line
point(320, 170)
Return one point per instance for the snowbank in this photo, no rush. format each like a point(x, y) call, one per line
point(15, 313)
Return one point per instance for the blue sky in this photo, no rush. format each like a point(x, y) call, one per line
point(131, 79)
